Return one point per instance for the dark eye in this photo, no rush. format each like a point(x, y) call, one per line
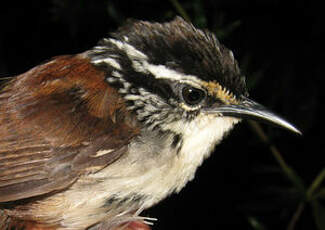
point(192, 96)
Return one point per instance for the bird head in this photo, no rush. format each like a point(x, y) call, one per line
point(67, 121)
point(173, 74)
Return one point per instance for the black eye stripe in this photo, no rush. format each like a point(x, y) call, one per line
point(160, 87)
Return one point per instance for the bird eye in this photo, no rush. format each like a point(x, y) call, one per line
point(192, 96)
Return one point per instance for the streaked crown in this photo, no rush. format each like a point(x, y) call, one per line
point(169, 71)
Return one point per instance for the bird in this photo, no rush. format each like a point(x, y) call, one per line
point(90, 140)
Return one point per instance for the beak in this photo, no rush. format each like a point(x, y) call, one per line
point(249, 109)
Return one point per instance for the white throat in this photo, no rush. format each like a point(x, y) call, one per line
point(200, 136)
point(148, 173)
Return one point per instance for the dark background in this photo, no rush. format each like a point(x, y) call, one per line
point(277, 44)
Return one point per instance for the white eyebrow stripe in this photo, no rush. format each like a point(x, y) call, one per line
point(140, 64)
point(130, 50)
point(110, 61)
point(162, 72)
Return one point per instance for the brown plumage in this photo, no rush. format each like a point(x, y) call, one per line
point(89, 141)
point(54, 118)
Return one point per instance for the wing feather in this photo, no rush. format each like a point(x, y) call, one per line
point(54, 119)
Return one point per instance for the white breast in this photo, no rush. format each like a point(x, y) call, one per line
point(151, 170)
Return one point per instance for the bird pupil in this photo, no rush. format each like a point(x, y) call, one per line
point(192, 95)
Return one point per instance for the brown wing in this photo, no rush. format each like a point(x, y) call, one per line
point(54, 120)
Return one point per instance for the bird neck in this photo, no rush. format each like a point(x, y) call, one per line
point(198, 141)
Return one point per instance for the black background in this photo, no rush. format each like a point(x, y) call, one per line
point(278, 44)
